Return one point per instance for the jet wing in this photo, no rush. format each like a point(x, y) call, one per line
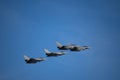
point(60, 52)
point(40, 59)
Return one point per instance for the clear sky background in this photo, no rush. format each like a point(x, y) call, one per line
point(29, 26)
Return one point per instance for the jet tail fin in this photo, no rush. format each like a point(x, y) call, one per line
point(58, 44)
point(26, 57)
point(47, 51)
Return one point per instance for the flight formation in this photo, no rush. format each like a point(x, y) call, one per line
point(71, 47)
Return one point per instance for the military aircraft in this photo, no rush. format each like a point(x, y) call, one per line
point(71, 47)
point(78, 48)
point(53, 54)
point(33, 60)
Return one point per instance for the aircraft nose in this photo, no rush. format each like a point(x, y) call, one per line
point(44, 58)
point(64, 52)
point(88, 47)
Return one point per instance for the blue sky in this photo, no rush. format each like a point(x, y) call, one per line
point(27, 27)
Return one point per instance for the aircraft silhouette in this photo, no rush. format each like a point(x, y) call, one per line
point(33, 60)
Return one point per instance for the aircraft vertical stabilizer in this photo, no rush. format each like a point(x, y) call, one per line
point(58, 44)
point(26, 57)
point(47, 51)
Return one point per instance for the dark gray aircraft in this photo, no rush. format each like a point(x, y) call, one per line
point(53, 54)
point(33, 60)
point(71, 47)
point(78, 48)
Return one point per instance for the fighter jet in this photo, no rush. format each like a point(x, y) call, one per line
point(53, 54)
point(78, 48)
point(71, 47)
point(33, 60)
